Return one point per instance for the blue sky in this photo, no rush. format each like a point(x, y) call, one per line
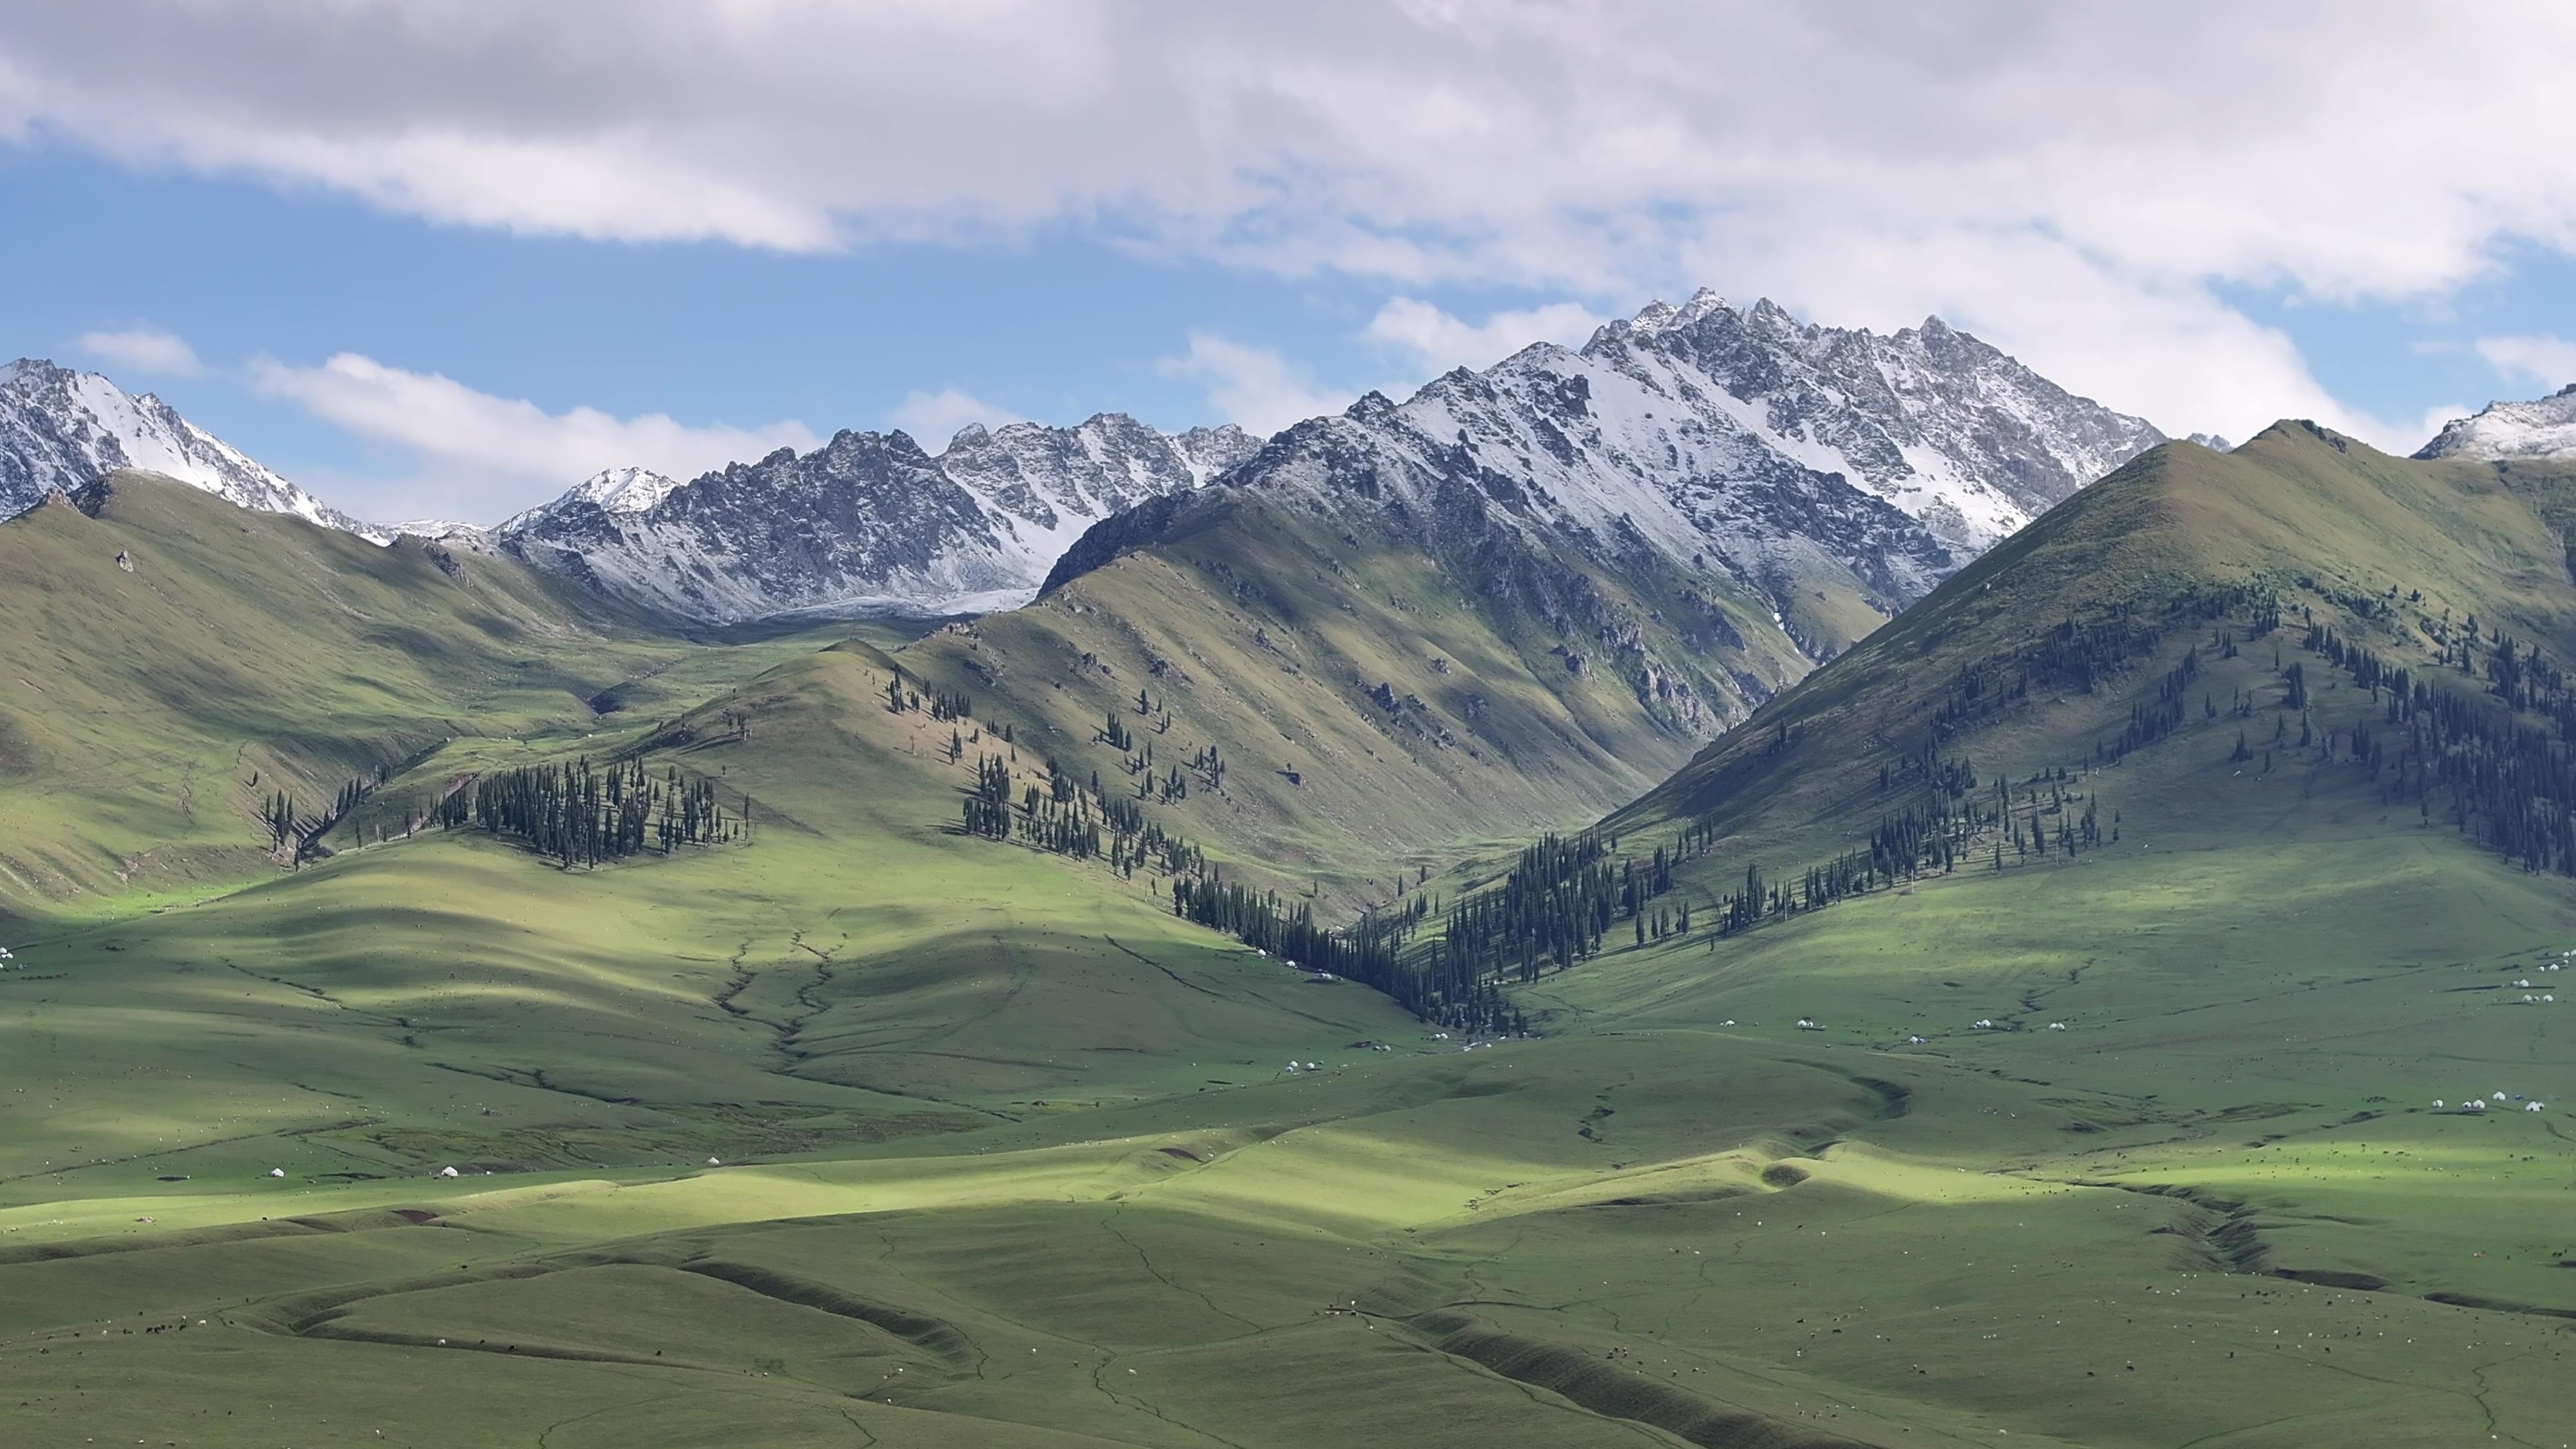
point(446, 260)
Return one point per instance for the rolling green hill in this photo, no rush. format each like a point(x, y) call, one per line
point(149, 713)
point(2395, 556)
point(1381, 704)
point(846, 1125)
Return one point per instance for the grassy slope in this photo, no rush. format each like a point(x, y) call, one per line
point(1270, 629)
point(136, 707)
point(1009, 1159)
point(2289, 506)
point(2265, 983)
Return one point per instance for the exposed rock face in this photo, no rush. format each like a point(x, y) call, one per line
point(867, 522)
point(63, 430)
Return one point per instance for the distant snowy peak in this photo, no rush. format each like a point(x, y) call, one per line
point(64, 429)
point(1949, 429)
point(868, 522)
point(2542, 429)
point(437, 530)
point(627, 490)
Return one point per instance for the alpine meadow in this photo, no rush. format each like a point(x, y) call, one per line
point(1694, 877)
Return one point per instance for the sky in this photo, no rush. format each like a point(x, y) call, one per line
point(445, 258)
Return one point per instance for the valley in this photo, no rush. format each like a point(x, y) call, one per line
point(850, 1126)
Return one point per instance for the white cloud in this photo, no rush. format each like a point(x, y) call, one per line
point(147, 351)
point(2548, 362)
point(481, 456)
point(1435, 341)
point(934, 417)
point(2435, 419)
point(1252, 385)
point(2034, 171)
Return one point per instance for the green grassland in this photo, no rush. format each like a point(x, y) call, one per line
point(1005, 1154)
point(138, 707)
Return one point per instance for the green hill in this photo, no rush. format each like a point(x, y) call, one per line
point(837, 1123)
point(151, 709)
point(1380, 705)
point(2200, 810)
point(2065, 626)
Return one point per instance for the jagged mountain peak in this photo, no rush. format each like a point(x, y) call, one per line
point(626, 490)
point(868, 521)
point(1938, 422)
point(61, 428)
point(2542, 428)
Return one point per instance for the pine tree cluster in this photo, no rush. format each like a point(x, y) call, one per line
point(580, 814)
point(2509, 785)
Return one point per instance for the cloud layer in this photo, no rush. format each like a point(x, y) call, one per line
point(934, 417)
point(2547, 362)
point(147, 351)
point(1254, 386)
point(1435, 341)
point(2074, 182)
point(481, 455)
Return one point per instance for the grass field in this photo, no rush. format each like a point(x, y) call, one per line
point(863, 1131)
point(1025, 1167)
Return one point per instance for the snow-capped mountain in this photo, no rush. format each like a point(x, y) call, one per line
point(626, 490)
point(2542, 429)
point(1787, 450)
point(1796, 457)
point(1944, 426)
point(61, 429)
point(868, 521)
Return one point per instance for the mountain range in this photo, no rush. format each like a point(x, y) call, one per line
point(1780, 450)
point(1838, 473)
point(1786, 452)
point(868, 522)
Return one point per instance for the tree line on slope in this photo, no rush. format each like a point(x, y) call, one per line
point(2507, 784)
point(578, 813)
